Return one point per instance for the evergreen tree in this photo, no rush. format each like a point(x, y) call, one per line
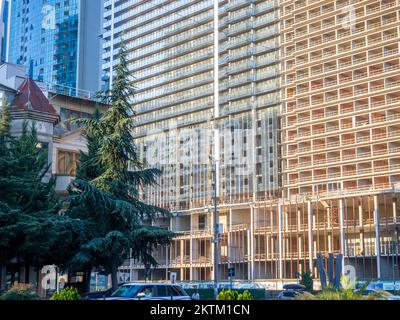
point(106, 193)
point(5, 121)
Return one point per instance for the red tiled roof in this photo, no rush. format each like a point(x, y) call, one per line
point(30, 97)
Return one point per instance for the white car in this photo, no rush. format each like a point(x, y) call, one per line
point(149, 291)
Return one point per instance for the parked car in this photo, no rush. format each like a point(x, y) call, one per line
point(380, 293)
point(289, 294)
point(97, 295)
point(294, 286)
point(149, 291)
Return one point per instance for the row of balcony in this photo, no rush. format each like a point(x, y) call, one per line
point(344, 94)
point(324, 26)
point(334, 113)
point(308, 16)
point(342, 63)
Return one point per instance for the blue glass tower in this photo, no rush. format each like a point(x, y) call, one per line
point(3, 29)
point(51, 37)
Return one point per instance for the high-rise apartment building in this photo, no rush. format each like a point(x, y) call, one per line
point(310, 85)
point(340, 120)
point(58, 41)
point(171, 54)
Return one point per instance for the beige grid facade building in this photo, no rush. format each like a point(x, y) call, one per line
point(340, 126)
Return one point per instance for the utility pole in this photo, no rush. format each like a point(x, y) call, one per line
point(216, 145)
point(394, 252)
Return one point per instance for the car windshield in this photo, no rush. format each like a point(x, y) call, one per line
point(126, 291)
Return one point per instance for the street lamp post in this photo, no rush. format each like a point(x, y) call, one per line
point(394, 248)
point(216, 144)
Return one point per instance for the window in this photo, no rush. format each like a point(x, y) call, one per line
point(202, 222)
point(202, 249)
point(162, 291)
point(68, 115)
point(148, 291)
point(67, 162)
point(177, 291)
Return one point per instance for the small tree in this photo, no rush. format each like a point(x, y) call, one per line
point(307, 281)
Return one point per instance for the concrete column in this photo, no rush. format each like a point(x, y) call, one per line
point(249, 257)
point(251, 243)
point(377, 237)
point(342, 231)
point(280, 241)
point(212, 246)
point(182, 253)
point(191, 249)
point(310, 235)
point(167, 255)
point(328, 217)
point(229, 238)
point(394, 212)
point(191, 258)
point(342, 228)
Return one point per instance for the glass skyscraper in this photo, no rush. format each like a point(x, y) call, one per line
point(53, 38)
point(4, 5)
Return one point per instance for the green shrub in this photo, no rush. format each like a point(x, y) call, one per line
point(66, 294)
point(228, 295)
point(341, 294)
point(234, 295)
point(307, 281)
point(245, 296)
point(20, 292)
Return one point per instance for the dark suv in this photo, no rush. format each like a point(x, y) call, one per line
point(149, 291)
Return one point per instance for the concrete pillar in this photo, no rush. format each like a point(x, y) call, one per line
point(251, 243)
point(191, 258)
point(394, 212)
point(342, 231)
point(191, 249)
point(167, 248)
point(328, 217)
point(377, 237)
point(310, 235)
point(212, 246)
point(280, 241)
point(249, 257)
point(182, 253)
point(229, 238)
point(342, 228)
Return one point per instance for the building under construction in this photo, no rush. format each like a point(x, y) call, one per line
point(308, 122)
